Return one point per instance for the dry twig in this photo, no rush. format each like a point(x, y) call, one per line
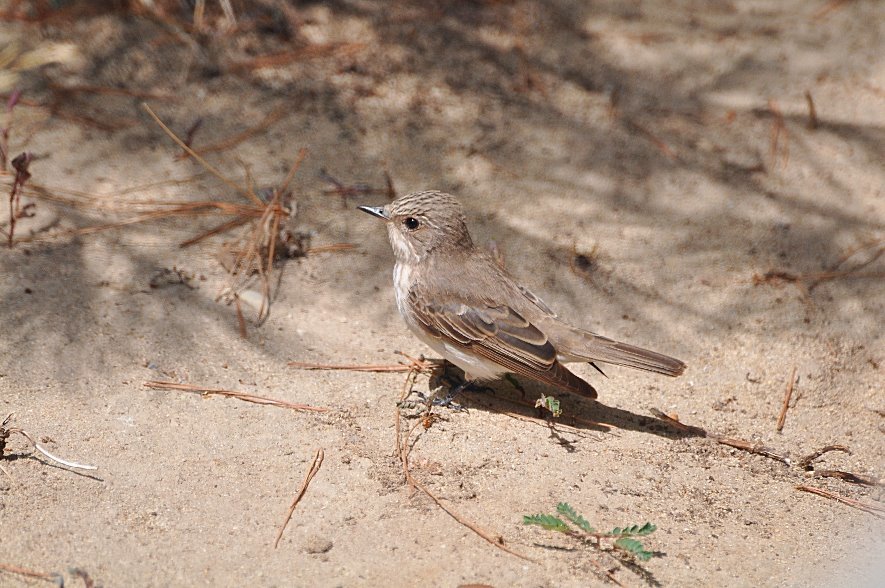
point(812, 111)
point(782, 417)
point(779, 149)
point(314, 468)
point(403, 446)
point(54, 578)
point(249, 194)
point(874, 509)
point(418, 364)
point(741, 444)
point(203, 391)
point(679, 424)
point(309, 52)
point(847, 477)
point(657, 141)
point(805, 462)
point(11, 103)
point(112, 91)
point(20, 164)
point(496, 541)
point(756, 448)
point(775, 276)
point(268, 121)
point(827, 8)
point(5, 432)
point(380, 368)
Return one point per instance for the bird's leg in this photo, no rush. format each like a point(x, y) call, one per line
point(446, 374)
point(447, 401)
point(447, 378)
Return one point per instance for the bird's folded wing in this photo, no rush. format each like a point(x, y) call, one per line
point(499, 334)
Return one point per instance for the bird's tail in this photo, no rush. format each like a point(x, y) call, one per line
point(580, 345)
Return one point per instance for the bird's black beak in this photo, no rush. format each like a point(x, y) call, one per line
point(375, 211)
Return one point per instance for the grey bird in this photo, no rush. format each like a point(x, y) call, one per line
point(466, 307)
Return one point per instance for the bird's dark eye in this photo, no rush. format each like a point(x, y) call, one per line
point(411, 223)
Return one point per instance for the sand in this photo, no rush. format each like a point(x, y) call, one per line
point(642, 166)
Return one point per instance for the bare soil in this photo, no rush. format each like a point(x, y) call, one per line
point(643, 166)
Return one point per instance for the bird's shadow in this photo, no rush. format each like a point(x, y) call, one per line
point(518, 400)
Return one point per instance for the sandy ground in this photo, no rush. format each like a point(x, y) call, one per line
point(620, 156)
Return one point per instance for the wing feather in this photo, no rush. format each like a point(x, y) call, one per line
point(501, 335)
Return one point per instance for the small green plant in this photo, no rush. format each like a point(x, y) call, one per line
point(550, 403)
point(624, 537)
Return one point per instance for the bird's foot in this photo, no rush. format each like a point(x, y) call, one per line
point(435, 398)
point(448, 401)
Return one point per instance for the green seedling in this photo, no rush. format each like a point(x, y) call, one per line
point(623, 539)
point(549, 403)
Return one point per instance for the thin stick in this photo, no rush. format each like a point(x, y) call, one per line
point(813, 277)
point(235, 140)
point(178, 209)
point(70, 464)
point(605, 572)
point(225, 226)
point(778, 130)
point(247, 193)
point(401, 452)
point(847, 476)
point(274, 232)
point(107, 90)
point(406, 450)
point(873, 509)
point(657, 141)
point(233, 394)
point(29, 573)
point(333, 248)
point(854, 250)
point(782, 417)
point(812, 112)
point(309, 52)
point(496, 541)
point(314, 468)
point(302, 153)
point(394, 368)
point(241, 320)
point(415, 364)
point(41, 449)
point(805, 462)
point(827, 8)
point(741, 444)
point(756, 448)
point(678, 424)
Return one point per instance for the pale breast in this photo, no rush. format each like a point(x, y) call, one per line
point(402, 281)
point(476, 367)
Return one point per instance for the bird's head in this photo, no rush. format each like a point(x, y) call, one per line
point(421, 223)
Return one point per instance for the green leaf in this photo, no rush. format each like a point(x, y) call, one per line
point(549, 522)
point(633, 547)
point(566, 510)
point(634, 530)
